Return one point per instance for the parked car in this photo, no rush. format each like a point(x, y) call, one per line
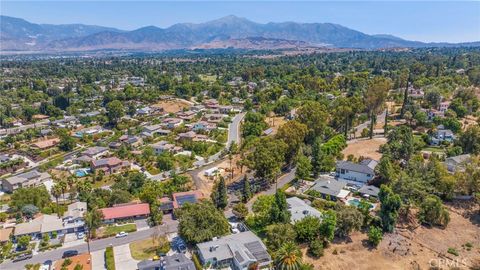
point(121, 234)
point(69, 253)
point(21, 257)
point(80, 235)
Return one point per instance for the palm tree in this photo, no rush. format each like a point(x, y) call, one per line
point(56, 191)
point(63, 186)
point(289, 257)
point(93, 220)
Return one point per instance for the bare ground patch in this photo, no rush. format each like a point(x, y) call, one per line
point(365, 147)
point(173, 106)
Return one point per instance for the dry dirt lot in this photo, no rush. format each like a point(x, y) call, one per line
point(365, 147)
point(420, 249)
point(173, 106)
point(275, 123)
point(224, 168)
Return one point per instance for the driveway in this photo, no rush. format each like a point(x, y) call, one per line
point(123, 258)
point(98, 260)
point(142, 224)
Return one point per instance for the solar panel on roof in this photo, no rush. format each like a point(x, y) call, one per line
point(190, 198)
point(258, 251)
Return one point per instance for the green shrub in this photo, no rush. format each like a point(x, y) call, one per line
point(375, 235)
point(452, 251)
point(109, 259)
point(315, 248)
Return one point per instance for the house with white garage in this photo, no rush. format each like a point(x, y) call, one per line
point(29, 179)
point(236, 251)
point(356, 173)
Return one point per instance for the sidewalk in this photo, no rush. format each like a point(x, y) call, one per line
point(98, 260)
point(123, 258)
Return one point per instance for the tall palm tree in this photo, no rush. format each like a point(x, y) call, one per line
point(93, 220)
point(63, 186)
point(289, 257)
point(56, 191)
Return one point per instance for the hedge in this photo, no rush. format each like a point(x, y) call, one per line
point(109, 259)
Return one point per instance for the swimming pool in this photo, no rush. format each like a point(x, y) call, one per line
point(356, 202)
point(82, 172)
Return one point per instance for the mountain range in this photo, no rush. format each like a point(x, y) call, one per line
point(228, 32)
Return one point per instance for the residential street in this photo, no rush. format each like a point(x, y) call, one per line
point(170, 226)
point(366, 124)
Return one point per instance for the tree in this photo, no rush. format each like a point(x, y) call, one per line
point(328, 225)
point(375, 96)
point(93, 221)
point(56, 191)
point(165, 161)
point(433, 212)
point(375, 235)
point(349, 219)
point(314, 116)
point(307, 229)
point(261, 209)
point(279, 212)
point(400, 143)
point(115, 110)
point(390, 205)
point(23, 241)
point(37, 196)
point(201, 222)
point(29, 210)
point(469, 179)
point(67, 143)
point(267, 158)
point(278, 234)
point(470, 140)
point(288, 257)
point(219, 194)
point(304, 167)
point(293, 134)
point(240, 210)
point(247, 190)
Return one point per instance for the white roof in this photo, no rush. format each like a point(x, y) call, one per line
point(300, 209)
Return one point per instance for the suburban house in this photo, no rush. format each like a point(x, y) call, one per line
point(28, 179)
point(441, 135)
point(299, 209)
point(109, 165)
point(238, 251)
point(125, 211)
point(358, 173)
point(5, 234)
point(88, 131)
point(172, 123)
point(331, 189)
point(179, 199)
point(457, 163)
point(46, 144)
point(213, 117)
point(203, 126)
point(73, 218)
point(211, 103)
point(39, 226)
point(177, 261)
point(134, 141)
point(443, 107)
point(186, 115)
point(369, 191)
point(149, 131)
point(95, 152)
point(163, 146)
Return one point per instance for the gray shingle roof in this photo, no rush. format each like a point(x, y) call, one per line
point(367, 166)
point(329, 187)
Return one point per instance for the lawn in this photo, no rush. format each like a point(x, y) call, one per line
point(113, 230)
point(143, 249)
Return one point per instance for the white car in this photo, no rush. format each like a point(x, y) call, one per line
point(121, 234)
point(80, 235)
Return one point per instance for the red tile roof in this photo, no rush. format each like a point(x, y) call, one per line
point(126, 211)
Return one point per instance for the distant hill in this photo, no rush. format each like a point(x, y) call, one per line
point(226, 32)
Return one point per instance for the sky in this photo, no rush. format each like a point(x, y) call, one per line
point(429, 21)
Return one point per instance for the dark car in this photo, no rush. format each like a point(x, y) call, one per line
point(21, 257)
point(69, 253)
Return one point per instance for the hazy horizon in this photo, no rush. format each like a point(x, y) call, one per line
point(421, 21)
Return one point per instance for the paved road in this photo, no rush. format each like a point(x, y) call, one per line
point(366, 124)
point(53, 255)
point(234, 129)
point(281, 182)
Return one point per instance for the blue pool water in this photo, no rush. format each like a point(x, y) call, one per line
point(356, 203)
point(82, 172)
